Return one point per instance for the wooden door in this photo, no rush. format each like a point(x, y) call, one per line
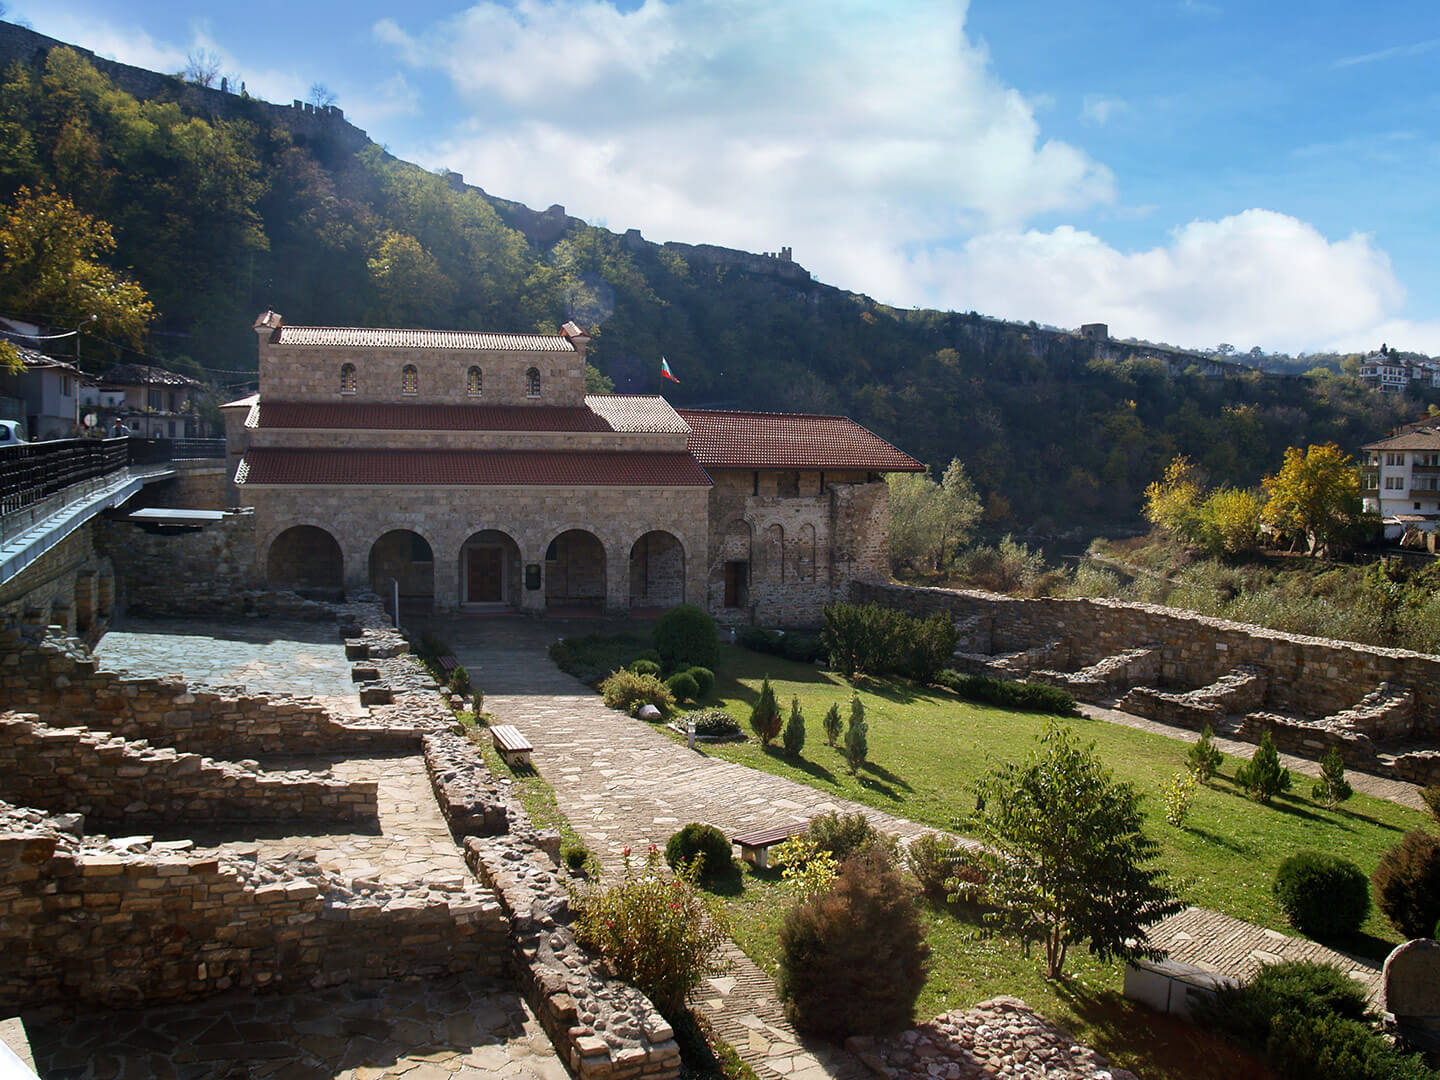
point(486, 578)
point(735, 581)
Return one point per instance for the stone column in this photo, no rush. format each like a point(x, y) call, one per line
point(85, 601)
point(532, 601)
point(617, 577)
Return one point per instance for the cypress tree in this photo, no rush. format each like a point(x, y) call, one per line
point(794, 738)
point(857, 747)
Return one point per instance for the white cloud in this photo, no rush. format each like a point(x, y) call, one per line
point(851, 130)
point(1097, 109)
point(1257, 277)
point(1408, 335)
point(1395, 52)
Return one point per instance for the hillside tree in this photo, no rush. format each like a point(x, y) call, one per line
point(930, 520)
point(1316, 494)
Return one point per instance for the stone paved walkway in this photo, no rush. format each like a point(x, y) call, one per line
point(413, 842)
point(1382, 787)
point(623, 784)
point(460, 1028)
point(266, 655)
point(1217, 943)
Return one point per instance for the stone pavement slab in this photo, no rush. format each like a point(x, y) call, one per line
point(268, 655)
point(461, 1027)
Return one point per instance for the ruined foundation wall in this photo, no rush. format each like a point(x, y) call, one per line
point(112, 780)
point(1308, 677)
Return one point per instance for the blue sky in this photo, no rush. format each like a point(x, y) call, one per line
point(1186, 170)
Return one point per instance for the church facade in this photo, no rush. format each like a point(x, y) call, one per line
point(473, 469)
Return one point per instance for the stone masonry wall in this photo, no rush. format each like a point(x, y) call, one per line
point(72, 586)
point(115, 781)
point(208, 571)
point(358, 515)
point(66, 687)
point(1308, 677)
point(86, 921)
point(312, 373)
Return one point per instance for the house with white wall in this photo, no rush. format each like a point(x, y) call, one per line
point(1400, 480)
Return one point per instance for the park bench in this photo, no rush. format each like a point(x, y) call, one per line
point(510, 744)
point(755, 846)
point(446, 664)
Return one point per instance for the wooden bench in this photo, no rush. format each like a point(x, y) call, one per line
point(510, 744)
point(755, 846)
point(446, 664)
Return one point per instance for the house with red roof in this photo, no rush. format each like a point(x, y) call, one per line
point(472, 470)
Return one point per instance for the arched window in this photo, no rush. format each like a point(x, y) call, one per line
point(409, 380)
point(532, 382)
point(347, 378)
point(473, 383)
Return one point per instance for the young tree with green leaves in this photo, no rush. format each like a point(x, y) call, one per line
point(1068, 855)
point(1263, 776)
point(857, 742)
point(832, 724)
point(765, 714)
point(1316, 494)
point(1332, 786)
point(929, 520)
point(794, 737)
point(1204, 758)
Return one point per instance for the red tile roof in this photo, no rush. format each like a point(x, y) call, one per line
point(380, 417)
point(379, 338)
point(754, 440)
point(469, 467)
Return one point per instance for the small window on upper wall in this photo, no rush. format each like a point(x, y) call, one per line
point(409, 380)
point(473, 383)
point(347, 379)
point(532, 382)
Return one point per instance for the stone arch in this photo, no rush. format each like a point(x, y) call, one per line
point(490, 569)
point(305, 558)
point(575, 570)
point(407, 557)
point(657, 570)
point(804, 549)
point(775, 554)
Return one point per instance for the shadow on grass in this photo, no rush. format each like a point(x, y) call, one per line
point(728, 882)
point(1163, 1046)
point(801, 764)
point(1218, 840)
point(882, 773)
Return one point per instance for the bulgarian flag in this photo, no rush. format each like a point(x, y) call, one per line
point(665, 372)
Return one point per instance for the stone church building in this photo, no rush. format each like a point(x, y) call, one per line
point(474, 469)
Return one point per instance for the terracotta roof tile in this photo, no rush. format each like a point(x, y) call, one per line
point(469, 467)
point(379, 338)
point(382, 417)
point(637, 412)
point(753, 440)
point(1415, 439)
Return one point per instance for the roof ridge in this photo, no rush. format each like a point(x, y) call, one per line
point(423, 330)
point(760, 412)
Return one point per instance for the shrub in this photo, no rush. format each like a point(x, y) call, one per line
point(661, 936)
point(1321, 894)
point(878, 640)
point(794, 737)
point(648, 654)
point(1034, 697)
point(460, 680)
point(802, 648)
point(1290, 988)
point(591, 657)
point(969, 881)
point(845, 835)
point(1263, 777)
point(1335, 1048)
point(758, 639)
point(1431, 795)
point(716, 723)
point(857, 743)
point(853, 959)
point(832, 723)
point(703, 842)
point(1332, 785)
point(645, 667)
point(1204, 759)
point(685, 636)
point(576, 855)
point(1179, 795)
point(806, 867)
point(933, 859)
point(765, 714)
point(704, 681)
point(628, 691)
point(1407, 883)
point(682, 686)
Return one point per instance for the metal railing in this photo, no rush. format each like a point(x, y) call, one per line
point(32, 472)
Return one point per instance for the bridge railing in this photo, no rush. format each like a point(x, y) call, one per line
point(30, 473)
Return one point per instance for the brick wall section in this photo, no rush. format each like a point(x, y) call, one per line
point(202, 572)
point(1310, 678)
point(71, 585)
point(111, 780)
point(67, 688)
point(83, 922)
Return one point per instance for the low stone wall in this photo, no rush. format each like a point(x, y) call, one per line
point(1387, 712)
point(1102, 680)
point(1308, 677)
point(1235, 692)
point(1015, 665)
point(113, 780)
point(1310, 740)
point(603, 1029)
point(84, 922)
point(66, 687)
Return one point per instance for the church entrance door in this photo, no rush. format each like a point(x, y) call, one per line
point(486, 584)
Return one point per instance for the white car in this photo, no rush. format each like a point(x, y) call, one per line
point(10, 433)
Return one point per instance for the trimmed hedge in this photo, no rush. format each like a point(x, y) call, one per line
point(683, 686)
point(1033, 697)
point(706, 841)
point(1321, 894)
point(870, 639)
point(628, 691)
point(801, 648)
point(714, 723)
point(704, 681)
point(685, 637)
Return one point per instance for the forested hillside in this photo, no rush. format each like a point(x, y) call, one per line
point(220, 215)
